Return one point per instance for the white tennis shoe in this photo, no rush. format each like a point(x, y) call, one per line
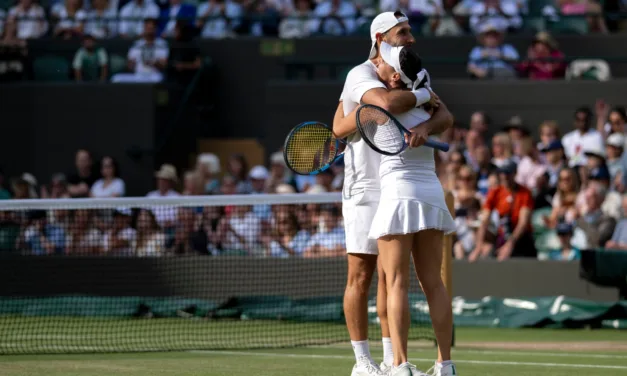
point(406, 369)
point(366, 367)
point(448, 370)
point(385, 368)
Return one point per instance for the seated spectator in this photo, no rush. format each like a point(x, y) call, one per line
point(212, 220)
point(263, 20)
point(565, 199)
point(619, 237)
point(455, 162)
point(208, 167)
point(150, 239)
point(70, 18)
point(544, 60)
point(258, 176)
point(485, 169)
point(82, 235)
point(14, 62)
point(241, 230)
point(610, 120)
point(219, 18)
point(91, 63)
point(110, 185)
point(466, 188)
point(192, 184)
point(58, 188)
point(40, 237)
point(121, 238)
point(286, 239)
point(517, 131)
point(10, 229)
point(184, 60)
point(81, 180)
point(133, 17)
point(29, 18)
point(595, 156)
point(101, 20)
point(591, 8)
point(581, 138)
point(191, 233)
point(543, 194)
point(554, 161)
point(503, 14)
point(279, 173)
point(467, 221)
point(597, 226)
point(513, 204)
point(530, 168)
point(474, 140)
point(334, 17)
point(147, 58)
point(600, 176)
point(566, 252)
point(177, 12)
point(501, 149)
point(329, 240)
point(238, 168)
point(166, 180)
point(492, 58)
point(24, 187)
point(228, 186)
point(298, 23)
point(614, 151)
point(549, 132)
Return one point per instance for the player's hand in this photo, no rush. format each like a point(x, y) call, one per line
point(434, 102)
point(417, 137)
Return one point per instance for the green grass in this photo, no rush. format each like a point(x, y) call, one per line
point(338, 360)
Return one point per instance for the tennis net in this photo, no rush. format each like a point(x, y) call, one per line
point(188, 273)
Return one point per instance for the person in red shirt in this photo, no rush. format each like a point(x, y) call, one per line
point(544, 60)
point(513, 204)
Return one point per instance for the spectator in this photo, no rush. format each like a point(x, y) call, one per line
point(70, 18)
point(543, 194)
point(555, 161)
point(9, 230)
point(480, 122)
point(544, 60)
point(91, 63)
point(166, 179)
point(502, 14)
point(80, 181)
point(465, 189)
point(4, 192)
point(177, 13)
point(29, 18)
point(566, 252)
point(14, 63)
point(610, 121)
point(263, 20)
point(565, 199)
point(619, 237)
point(58, 188)
point(298, 23)
point(530, 167)
point(513, 204)
point(150, 239)
point(101, 20)
point(614, 151)
point(600, 176)
point(121, 238)
point(192, 184)
point(329, 240)
point(241, 230)
point(83, 236)
point(133, 17)
point(516, 130)
point(583, 137)
point(110, 185)
point(325, 180)
point(286, 238)
point(334, 17)
point(238, 169)
point(597, 226)
point(22, 189)
point(228, 186)
point(595, 156)
point(208, 167)
point(485, 169)
point(455, 162)
point(192, 234)
point(184, 59)
point(549, 132)
point(258, 176)
point(40, 237)
point(467, 221)
point(147, 57)
point(491, 58)
point(219, 18)
point(501, 149)
point(279, 174)
point(474, 141)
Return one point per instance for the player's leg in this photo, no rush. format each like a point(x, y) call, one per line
point(394, 253)
point(360, 270)
point(382, 312)
point(427, 252)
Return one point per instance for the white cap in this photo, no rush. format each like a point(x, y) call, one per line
point(391, 55)
point(258, 173)
point(277, 158)
point(596, 149)
point(211, 161)
point(284, 188)
point(616, 140)
point(316, 189)
point(381, 24)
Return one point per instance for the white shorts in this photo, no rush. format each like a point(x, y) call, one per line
point(358, 212)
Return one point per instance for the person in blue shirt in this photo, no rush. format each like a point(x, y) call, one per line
point(492, 58)
point(566, 252)
point(329, 240)
point(41, 238)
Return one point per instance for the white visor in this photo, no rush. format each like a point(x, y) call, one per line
point(391, 55)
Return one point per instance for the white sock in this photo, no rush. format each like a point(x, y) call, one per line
point(361, 348)
point(445, 363)
point(388, 353)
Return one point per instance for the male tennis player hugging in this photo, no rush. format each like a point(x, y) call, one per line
point(361, 188)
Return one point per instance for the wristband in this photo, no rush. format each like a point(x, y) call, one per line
point(422, 96)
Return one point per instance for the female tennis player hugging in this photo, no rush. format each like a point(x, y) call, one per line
point(412, 217)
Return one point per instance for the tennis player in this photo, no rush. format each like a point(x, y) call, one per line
point(361, 185)
point(411, 219)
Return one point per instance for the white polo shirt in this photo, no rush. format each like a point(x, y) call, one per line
point(575, 143)
point(361, 163)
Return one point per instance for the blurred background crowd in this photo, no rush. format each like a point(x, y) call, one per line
point(554, 195)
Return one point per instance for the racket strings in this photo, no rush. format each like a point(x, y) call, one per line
point(310, 148)
point(381, 131)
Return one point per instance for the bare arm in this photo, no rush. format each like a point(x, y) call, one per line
point(394, 101)
point(483, 227)
point(521, 226)
point(344, 126)
point(441, 120)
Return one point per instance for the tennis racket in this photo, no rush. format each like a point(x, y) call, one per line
point(384, 134)
point(311, 148)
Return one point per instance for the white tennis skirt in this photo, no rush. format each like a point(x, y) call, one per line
point(407, 216)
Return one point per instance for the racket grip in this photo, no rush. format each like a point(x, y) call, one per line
point(443, 146)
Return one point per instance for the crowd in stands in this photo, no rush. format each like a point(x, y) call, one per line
point(515, 196)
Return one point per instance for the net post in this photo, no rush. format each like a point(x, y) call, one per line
point(447, 253)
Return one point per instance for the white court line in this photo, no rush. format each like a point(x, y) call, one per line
point(488, 362)
point(540, 353)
